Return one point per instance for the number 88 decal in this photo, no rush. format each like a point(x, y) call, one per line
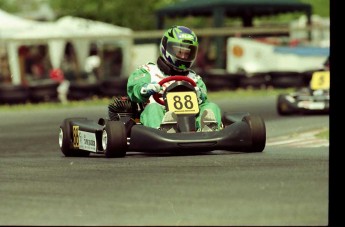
point(186, 103)
point(183, 102)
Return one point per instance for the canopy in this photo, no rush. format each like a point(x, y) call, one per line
point(93, 28)
point(11, 23)
point(86, 30)
point(79, 31)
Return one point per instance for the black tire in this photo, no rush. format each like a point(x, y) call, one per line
point(255, 81)
point(116, 139)
point(282, 107)
point(217, 82)
point(258, 132)
point(14, 94)
point(286, 79)
point(111, 87)
point(66, 144)
point(43, 91)
point(83, 90)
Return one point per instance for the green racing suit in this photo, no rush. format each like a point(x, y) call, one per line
point(153, 112)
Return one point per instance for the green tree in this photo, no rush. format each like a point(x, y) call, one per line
point(320, 7)
point(135, 14)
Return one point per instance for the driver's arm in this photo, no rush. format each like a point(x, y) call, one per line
point(134, 84)
point(202, 89)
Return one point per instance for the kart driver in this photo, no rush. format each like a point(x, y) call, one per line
point(178, 50)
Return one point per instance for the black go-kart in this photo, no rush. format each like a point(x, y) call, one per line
point(313, 99)
point(122, 131)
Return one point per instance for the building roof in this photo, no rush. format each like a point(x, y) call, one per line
point(247, 10)
point(233, 8)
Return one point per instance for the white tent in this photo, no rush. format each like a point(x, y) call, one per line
point(36, 33)
point(9, 26)
point(11, 23)
point(89, 30)
point(79, 31)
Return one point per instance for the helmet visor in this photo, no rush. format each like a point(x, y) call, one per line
point(182, 51)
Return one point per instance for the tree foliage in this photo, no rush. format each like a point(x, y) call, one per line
point(320, 7)
point(135, 14)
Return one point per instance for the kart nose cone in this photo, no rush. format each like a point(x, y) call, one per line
point(104, 139)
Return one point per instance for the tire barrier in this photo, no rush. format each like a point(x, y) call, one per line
point(286, 79)
point(14, 94)
point(43, 91)
point(81, 90)
point(113, 87)
point(216, 80)
point(255, 81)
point(221, 80)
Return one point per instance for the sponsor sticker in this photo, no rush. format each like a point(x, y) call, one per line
point(75, 136)
point(87, 141)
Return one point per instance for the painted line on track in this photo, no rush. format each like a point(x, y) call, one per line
point(306, 139)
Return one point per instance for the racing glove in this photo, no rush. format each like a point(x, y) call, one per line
point(200, 94)
point(150, 89)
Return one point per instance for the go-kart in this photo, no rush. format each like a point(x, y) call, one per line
point(123, 132)
point(313, 99)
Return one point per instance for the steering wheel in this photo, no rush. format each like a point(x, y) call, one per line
point(157, 96)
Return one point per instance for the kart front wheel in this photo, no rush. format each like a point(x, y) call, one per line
point(283, 108)
point(66, 144)
point(258, 132)
point(114, 139)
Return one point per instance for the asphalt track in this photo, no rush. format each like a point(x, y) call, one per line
point(286, 185)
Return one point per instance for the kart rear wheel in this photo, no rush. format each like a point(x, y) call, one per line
point(258, 132)
point(66, 144)
point(114, 139)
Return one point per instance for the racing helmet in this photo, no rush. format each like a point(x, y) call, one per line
point(179, 47)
